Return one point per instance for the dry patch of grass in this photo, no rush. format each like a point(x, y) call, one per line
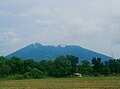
point(63, 83)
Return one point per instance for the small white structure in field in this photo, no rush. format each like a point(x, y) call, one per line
point(78, 75)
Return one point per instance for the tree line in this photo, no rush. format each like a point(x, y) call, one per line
point(62, 66)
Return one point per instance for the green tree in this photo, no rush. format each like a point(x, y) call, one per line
point(50, 67)
point(114, 65)
point(97, 66)
point(31, 63)
point(105, 70)
point(2, 60)
point(62, 66)
point(4, 70)
point(74, 61)
point(85, 67)
point(43, 65)
point(16, 65)
point(35, 73)
point(46, 66)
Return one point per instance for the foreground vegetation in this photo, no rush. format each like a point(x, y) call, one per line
point(62, 66)
point(63, 83)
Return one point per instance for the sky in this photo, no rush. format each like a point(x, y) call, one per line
point(92, 24)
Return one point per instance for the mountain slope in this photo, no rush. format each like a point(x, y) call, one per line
point(37, 51)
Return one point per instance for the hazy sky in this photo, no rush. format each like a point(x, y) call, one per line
point(92, 24)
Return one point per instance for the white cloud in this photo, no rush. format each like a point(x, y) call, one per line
point(23, 2)
point(9, 38)
point(36, 11)
point(91, 23)
point(5, 13)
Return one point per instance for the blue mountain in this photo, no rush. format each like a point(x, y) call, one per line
point(37, 51)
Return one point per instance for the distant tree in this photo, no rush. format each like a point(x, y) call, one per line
point(62, 66)
point(50, 67)
point(2, 58)
point(43, 65)
point(47, 67)
point(114, 65)
point(35, 73)
point(16, 65)
point(85, 67)
point(105, 70)
point(97, 66)
point(31, 63)
point(74, 61)
point(4, 70)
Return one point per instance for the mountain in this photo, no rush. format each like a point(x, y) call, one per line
point(37, 51)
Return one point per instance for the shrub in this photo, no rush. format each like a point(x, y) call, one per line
point(16, 77)
point(35, 73)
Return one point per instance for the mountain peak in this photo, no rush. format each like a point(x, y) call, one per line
point(36, 43)
point(38, 51)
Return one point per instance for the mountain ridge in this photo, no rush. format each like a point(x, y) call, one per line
point(38, 51)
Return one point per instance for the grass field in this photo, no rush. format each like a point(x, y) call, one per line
point(63, 83)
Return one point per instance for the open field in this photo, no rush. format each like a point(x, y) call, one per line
point(63, 83)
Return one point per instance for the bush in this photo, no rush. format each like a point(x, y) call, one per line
point(16, 77)
point(35, 73)
point(27, 75)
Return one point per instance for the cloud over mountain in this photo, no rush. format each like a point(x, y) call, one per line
point(91, 23)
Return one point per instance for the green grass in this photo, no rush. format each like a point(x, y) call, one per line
point(63, 83)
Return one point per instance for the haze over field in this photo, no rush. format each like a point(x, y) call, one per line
point(93, 24)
